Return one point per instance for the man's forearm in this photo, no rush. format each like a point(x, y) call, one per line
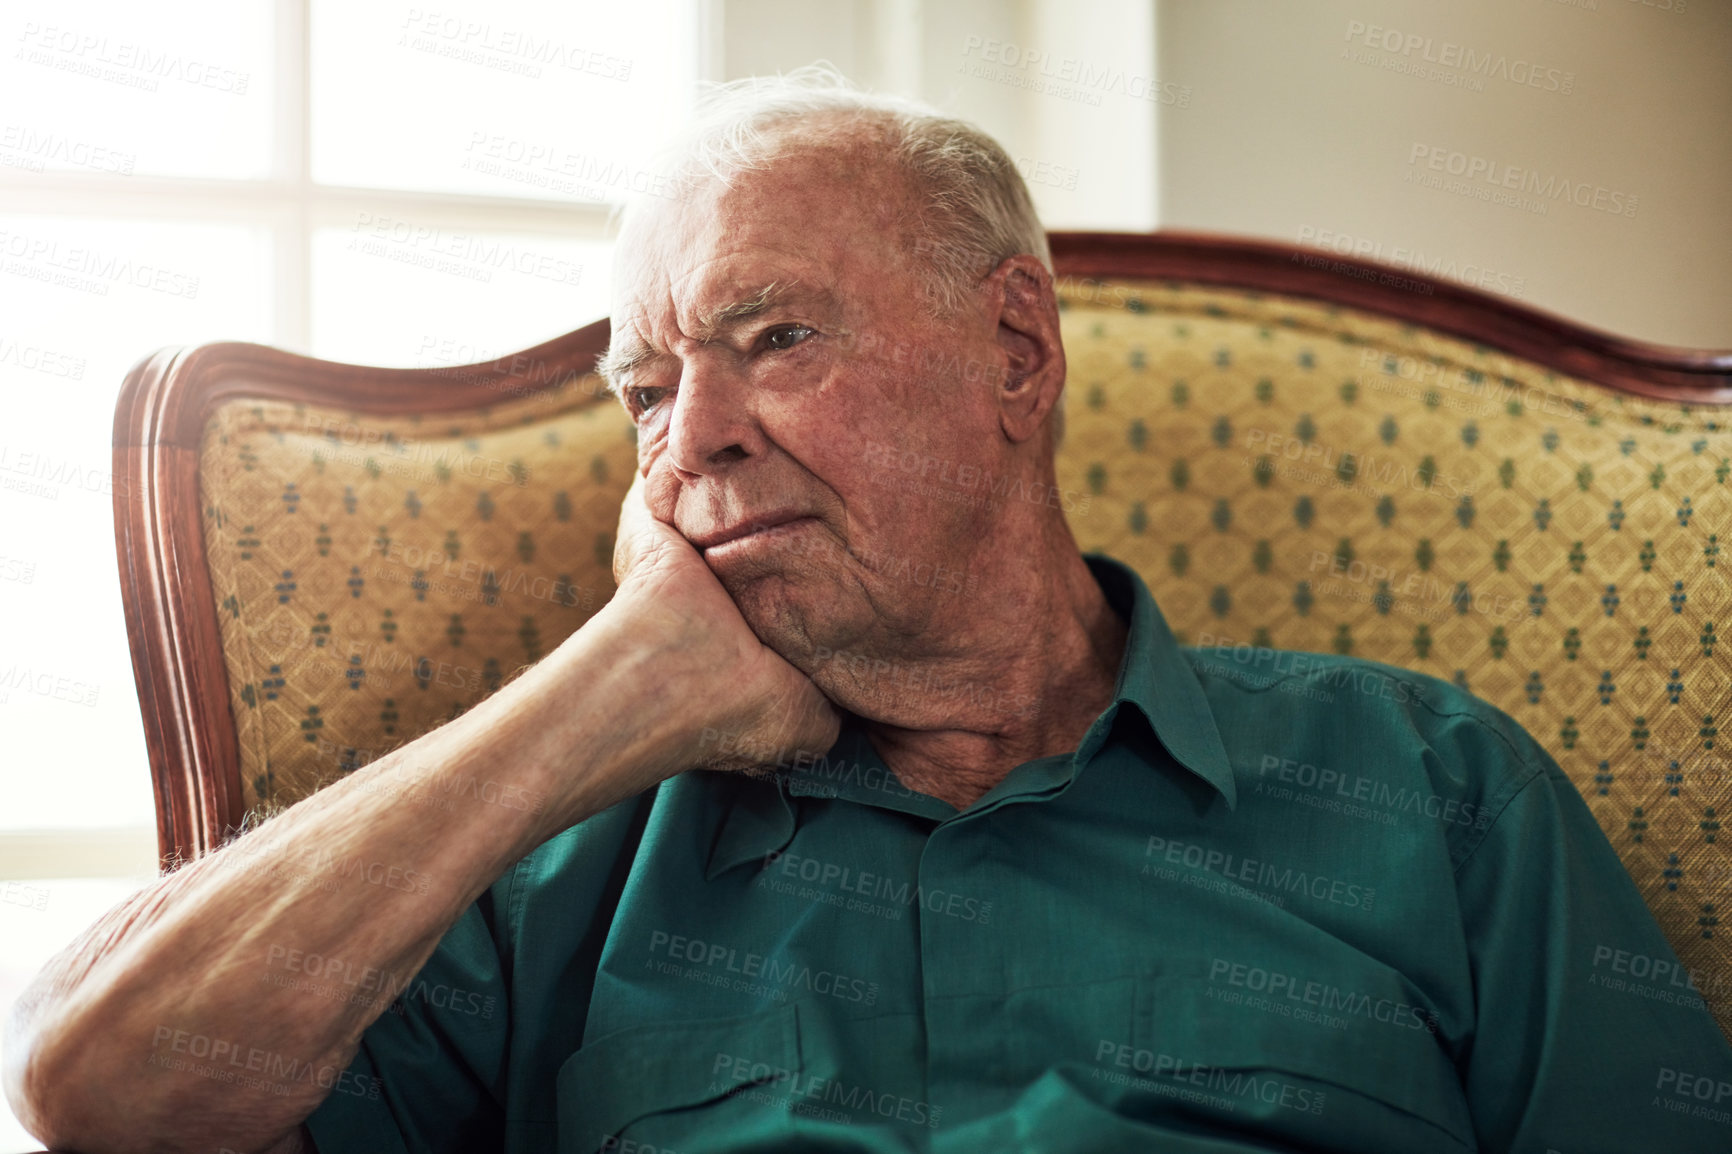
point(114, 1045)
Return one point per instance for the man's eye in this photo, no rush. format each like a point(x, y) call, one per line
point(786, 336)
point(643, 399)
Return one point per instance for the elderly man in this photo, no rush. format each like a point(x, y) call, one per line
point(1012, 878)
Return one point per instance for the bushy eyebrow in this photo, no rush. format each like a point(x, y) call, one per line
point(627, 350)
point(710, 324)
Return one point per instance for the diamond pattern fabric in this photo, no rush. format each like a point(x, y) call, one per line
point(1283, 473)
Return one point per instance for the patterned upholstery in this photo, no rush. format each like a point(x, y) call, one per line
point(1283, 473)
point(375, 577)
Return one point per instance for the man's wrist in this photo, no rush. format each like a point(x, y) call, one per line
point(603, 717)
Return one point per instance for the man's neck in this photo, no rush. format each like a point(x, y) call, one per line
point(1059, 647)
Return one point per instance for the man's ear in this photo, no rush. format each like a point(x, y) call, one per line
point(1028, 339)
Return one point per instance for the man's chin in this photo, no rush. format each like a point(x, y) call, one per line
point(804, 637)
point(771, 607)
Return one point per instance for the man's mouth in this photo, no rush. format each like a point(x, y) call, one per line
point(762, 529)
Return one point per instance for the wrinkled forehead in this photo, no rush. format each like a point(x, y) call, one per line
point(826, 215)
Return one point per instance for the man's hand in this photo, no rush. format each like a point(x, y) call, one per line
point(731, 682)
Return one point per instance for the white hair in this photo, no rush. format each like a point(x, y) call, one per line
point(973, 209)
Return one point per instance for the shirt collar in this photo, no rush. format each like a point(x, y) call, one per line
point(1154, 677)
point(760, 820)
point(1157, 679)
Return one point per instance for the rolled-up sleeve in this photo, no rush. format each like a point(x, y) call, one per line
point(1589, 1034)
point(427, 1078)
point(465, 1061)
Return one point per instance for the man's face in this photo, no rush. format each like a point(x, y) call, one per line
point(784, 359)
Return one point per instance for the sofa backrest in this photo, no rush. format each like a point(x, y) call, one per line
point(1284, 473)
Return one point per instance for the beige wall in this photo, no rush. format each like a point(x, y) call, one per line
point(1267, 119)
point(1064, 86)
point(1286, 137)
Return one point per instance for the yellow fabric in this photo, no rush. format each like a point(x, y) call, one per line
point(375, 577)
point(1281, 472)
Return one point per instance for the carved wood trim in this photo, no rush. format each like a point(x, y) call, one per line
point(170, 607)
point(1658, 371)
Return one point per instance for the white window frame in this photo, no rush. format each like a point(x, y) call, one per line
point(291, 208)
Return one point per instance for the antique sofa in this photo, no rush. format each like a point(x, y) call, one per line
point(322, 561)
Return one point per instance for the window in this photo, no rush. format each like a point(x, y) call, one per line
point(361, 180)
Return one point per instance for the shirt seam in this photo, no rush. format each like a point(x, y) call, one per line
point(516, 897)
point(1535, 772)
point(1535, 769)
point(1537, 775)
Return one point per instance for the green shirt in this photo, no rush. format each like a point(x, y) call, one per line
point(1275, 901)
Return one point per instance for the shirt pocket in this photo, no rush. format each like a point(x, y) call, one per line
point(653, 1084)
point(1362, 1070)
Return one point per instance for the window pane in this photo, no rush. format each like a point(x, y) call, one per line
point(405, 292)
point(80, 302)
point(181, 89)
point(535, 98)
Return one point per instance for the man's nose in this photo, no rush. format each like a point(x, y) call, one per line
point(713, 423)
